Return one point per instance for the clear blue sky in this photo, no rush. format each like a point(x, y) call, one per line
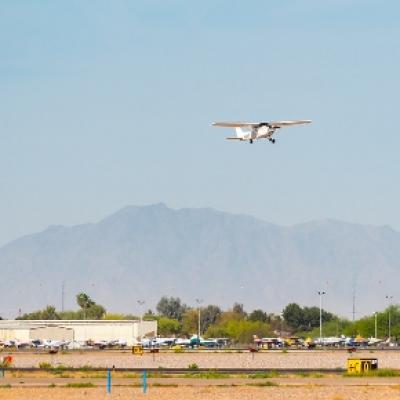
point(105, 104)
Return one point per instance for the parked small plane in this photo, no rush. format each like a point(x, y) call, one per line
point(157, 342)
point(195, 341)
point(330, 341)
point(257, 130)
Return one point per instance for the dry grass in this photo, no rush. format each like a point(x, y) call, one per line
point(201, 393)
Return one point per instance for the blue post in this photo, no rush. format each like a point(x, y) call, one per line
point(108, 382)
point(144, 378)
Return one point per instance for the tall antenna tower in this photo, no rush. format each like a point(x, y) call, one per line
point(62, 295)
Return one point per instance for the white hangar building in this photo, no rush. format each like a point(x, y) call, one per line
point(81, 331)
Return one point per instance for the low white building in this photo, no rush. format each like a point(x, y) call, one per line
point(77, 330)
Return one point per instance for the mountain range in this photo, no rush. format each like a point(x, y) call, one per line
point(221, 258)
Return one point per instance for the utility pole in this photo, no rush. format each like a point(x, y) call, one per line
point(354, 304)
point(199, 301)
point(62, 295)
point(320, 294)
point(376, 324)
point(141, 304)
point(389, 299)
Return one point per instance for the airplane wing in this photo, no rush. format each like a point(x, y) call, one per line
point(274, 124)
point(279, 124)
point(235, 124)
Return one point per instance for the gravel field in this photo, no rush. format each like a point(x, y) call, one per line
point(209, 393)
point(275, 359)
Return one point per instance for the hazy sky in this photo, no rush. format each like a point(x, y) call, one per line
point(108, 103)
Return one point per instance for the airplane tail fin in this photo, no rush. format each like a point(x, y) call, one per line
point(240, 133)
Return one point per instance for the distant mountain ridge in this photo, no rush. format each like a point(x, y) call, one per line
point(146, 252)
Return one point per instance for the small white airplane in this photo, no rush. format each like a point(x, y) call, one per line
point(330, 341)
point(157, 342)
point(257, 130)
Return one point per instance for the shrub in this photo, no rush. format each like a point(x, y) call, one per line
point(80, 385)
point(178, 350)
point(264, 375)
point(267, 383)
point(45, 365)
point(85, 368)
point(59, 369)
point(206, 375)
point(158, 384)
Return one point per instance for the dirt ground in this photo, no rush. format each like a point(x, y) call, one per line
point(273, 359)
point(209, 393)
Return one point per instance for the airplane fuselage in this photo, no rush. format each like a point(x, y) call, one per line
point(263, 132)
point(258, 132)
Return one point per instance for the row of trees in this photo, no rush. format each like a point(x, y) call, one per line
point(88, 309)
point(177, 319)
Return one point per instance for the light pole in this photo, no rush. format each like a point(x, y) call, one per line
point(199, 301)
point(141, 303)
point(320, 294)
point(376, 324)
point(389, 299)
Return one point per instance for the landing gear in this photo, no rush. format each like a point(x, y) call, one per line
point(251, 141)
point(272, 140)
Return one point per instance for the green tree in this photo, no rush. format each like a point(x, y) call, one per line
point(130, 317)
point(149, 315)
point(304, 319)
point(258, 315)
point(89, 309)
point(239, 310)
point(209, 316)
point(95, 311)
point(70, 315)
point(334, 327)
point(365, 326)
point(171, 307)
point(168, 326)
point(190, 322)
point(239, 331)
point(84, 301)
point(48, 313)
point(293, 316)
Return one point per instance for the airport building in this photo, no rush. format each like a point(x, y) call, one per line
point(80, 331)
